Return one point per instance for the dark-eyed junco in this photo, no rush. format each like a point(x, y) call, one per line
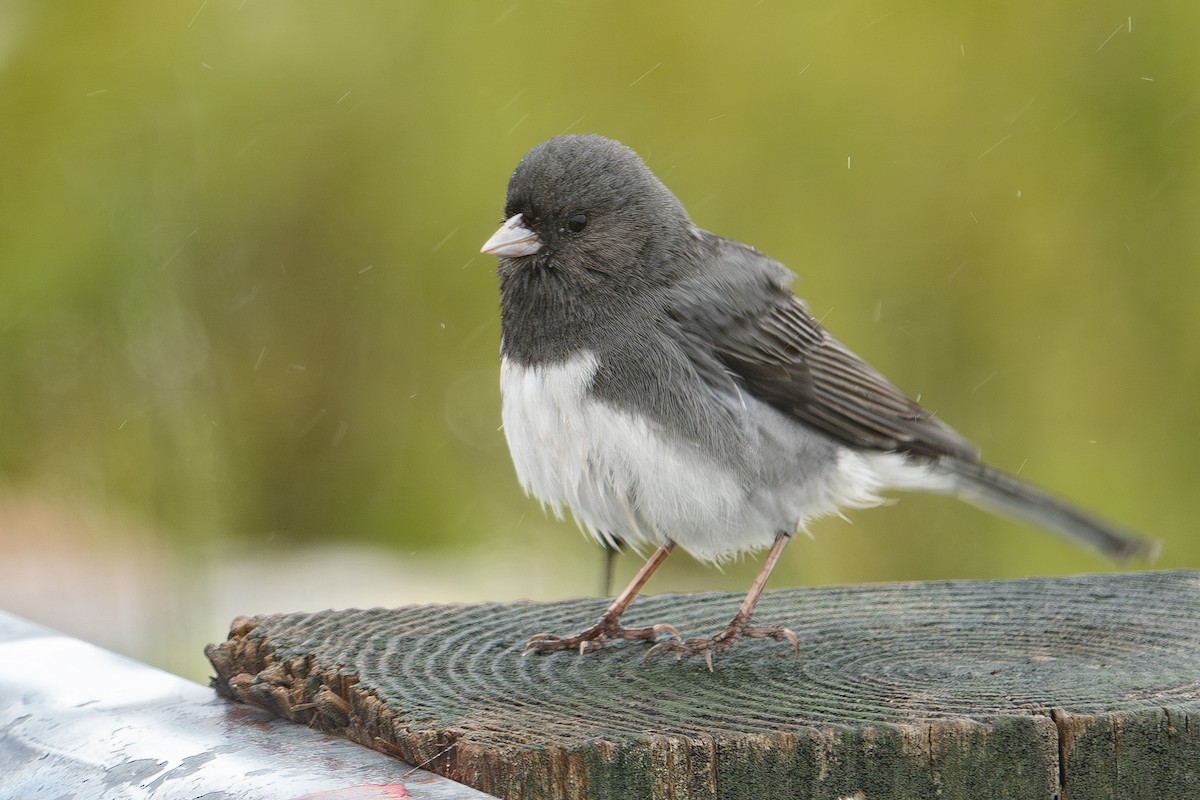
point(665, 385)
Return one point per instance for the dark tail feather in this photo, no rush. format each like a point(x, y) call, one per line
point(1000, 492)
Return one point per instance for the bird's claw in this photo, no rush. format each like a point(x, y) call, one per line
point(721, 642)
point(596, 637)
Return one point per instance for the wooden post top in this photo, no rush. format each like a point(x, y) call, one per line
point(1085, 687)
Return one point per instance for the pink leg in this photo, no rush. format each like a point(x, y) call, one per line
point(740, 627)
point(595, 637)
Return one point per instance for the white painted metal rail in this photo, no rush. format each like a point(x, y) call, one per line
point(77, 721)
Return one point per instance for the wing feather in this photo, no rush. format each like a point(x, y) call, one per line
point(768, 342)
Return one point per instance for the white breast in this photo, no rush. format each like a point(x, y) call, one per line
point(619, 475)
point(623, 476)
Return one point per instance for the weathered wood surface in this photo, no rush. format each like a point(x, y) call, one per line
point(1083, 689)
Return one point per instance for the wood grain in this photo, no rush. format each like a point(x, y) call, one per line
point(1083, 687)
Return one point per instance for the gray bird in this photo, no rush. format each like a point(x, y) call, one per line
point(665, 385)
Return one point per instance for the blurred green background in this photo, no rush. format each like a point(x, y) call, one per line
point(248, 348)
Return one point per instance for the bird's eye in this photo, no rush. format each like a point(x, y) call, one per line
point(577, 222)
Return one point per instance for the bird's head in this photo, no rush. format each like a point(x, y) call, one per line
point(588, 205)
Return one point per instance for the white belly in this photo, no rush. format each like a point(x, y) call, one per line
point(623, 476)
point(619, 477)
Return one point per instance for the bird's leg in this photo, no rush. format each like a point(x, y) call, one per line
point(740, 627)
point(608, 626)
point(611, 550)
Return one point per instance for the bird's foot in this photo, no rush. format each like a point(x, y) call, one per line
point(597, 636)
point(737, 630)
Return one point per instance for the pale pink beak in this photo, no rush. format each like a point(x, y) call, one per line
point(513, 240)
